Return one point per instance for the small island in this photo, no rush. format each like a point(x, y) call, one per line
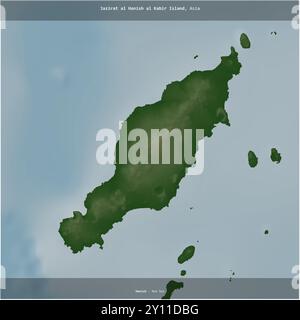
point(182, 273)
point(186, 254)
point(245, 42)
point(275, 155)
point(252, 159)
point(171, 287)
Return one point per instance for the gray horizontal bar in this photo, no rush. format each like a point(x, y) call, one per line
point(94, 10)
point(194, 288)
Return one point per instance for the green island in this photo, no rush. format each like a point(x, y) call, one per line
point(275, 155)
point(245, 42)
point(171, 287)
point(195, 102)
point(186, 254)
point(252, 159)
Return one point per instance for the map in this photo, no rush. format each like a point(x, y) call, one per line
point(149, 150)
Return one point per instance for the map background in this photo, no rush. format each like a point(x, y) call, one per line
point(64, 81)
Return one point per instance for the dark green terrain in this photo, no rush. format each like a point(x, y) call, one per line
point(196, 102)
